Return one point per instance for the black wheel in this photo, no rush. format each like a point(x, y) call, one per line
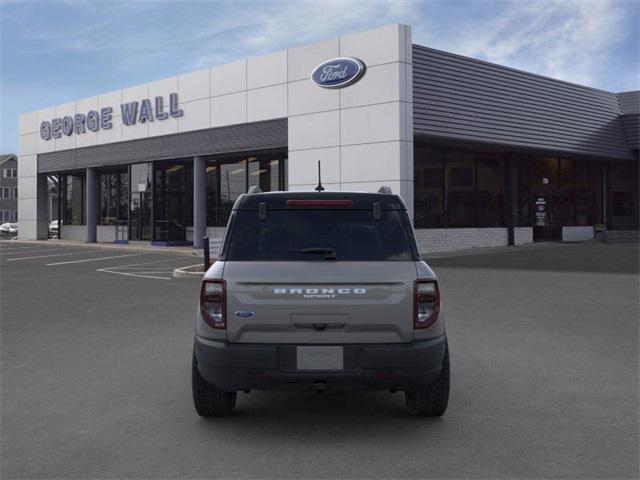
point(432, 400)
point(209, 400)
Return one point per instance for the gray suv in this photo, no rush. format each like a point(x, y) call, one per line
point(320, 291)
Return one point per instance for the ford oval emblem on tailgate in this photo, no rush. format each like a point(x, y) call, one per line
point(338, 72)
point(244, 314)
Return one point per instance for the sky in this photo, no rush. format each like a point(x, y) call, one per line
point(55, 51)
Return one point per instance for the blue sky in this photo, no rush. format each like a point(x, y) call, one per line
point(57, 51)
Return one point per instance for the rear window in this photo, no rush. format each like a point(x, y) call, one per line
point(320, 235)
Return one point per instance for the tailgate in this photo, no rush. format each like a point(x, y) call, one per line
point(320, 302)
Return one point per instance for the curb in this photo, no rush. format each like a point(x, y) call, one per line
point(188, 272)
point(186, 251)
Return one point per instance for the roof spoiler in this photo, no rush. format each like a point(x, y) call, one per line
point(386, 190)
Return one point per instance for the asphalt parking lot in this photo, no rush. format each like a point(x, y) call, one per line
point(96, 376)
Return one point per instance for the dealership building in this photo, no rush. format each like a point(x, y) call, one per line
point(482, 154)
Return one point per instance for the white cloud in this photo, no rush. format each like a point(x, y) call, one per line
point(569, 40)
point(269, 26)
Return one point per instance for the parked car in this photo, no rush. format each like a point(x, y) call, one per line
point(320, 291)
point(54, 229)
point(9, 229)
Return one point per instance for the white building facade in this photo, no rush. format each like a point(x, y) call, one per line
point(164, 161)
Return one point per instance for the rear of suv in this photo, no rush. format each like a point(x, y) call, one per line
point(320, 291)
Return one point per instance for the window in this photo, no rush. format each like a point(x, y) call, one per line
point(73, 199)
point(429, 187)
point(173, 200)
point(581, 199)
point(15, 215)
point(460, 189)
point(227, 179)
point(567, 191)
point(491, 201)
point(622, 204)
point(595, 192)
point(113, 197)
point(5, 192)
point(524, 190)
point(15, 192)
point(6, 215)
point(354, 235)
point(10, 173)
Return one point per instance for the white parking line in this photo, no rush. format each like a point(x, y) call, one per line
point(52, 255)
point(143, 270)
point(126, 274)
point(92, 259)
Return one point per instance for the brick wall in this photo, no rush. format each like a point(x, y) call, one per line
point(577, 234)
point(616, 236)
point(447, 239)
point(74, 232)
point(522, 235)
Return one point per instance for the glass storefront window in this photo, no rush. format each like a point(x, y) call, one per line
point(233, 183)
point(113, 197)
point(228, 178)
point(73, 201)
point(595, 192)
point(524, 190)
point(173, 201)
point(491, 201)
point(567, 191)
point(457, 189)
point(123, 196)
point(429, 187)
point(461, 189)
point(140, 201)
point(549, 191)
point(581, 196)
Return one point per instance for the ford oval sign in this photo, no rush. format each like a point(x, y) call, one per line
point(338, 73)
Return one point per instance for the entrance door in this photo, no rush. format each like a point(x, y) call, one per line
point(546, 201)
point(140, 220)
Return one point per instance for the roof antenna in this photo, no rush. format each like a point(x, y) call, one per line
point(319, 188)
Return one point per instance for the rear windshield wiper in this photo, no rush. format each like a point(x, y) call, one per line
point(329, 253)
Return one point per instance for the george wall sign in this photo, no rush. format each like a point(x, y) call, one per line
point(94, 120)
point(338, 72)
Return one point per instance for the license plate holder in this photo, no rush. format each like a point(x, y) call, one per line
point(320, 358)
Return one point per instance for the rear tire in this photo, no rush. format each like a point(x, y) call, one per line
point(432, 400)
point(208, 400)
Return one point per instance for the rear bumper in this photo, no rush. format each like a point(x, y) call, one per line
point(404, 366)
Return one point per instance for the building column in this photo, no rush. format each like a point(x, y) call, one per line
point(42, 215)
point(91, 205)
point(512, 199)
point(199, 201)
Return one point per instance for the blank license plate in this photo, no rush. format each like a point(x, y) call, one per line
point(319, 358)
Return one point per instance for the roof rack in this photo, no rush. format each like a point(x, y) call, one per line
point(254, 189)
point(386, 190)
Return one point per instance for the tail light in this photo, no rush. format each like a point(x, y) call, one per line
point(213, 303)
point(426, 304)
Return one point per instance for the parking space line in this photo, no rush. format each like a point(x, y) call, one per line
point(92, 259)
point(51, 255)
point(128, 274)
point(151, 270)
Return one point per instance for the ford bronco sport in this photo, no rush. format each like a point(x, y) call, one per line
point(320, 291)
